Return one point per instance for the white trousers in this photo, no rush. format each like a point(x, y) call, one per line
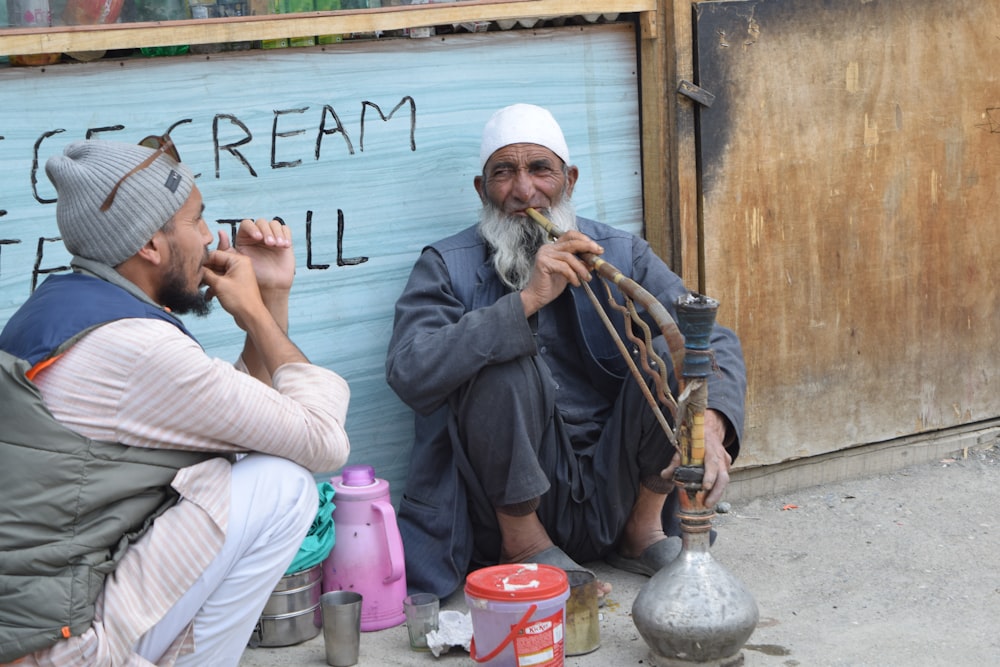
point(274, 502)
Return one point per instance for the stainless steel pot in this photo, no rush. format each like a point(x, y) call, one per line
point(292, 614)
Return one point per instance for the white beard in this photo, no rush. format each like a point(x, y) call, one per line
point(515, 240)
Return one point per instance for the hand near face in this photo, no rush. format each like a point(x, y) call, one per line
point(268, 244)
point(255, 275)
point(557, 264)
point(230, 279)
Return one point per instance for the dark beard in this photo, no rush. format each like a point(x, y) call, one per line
point(175, 295)
point(515, 240)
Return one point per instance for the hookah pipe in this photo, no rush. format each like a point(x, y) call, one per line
point(693, 611)
point(688, 409)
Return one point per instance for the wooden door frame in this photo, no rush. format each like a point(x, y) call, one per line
point(670, 186)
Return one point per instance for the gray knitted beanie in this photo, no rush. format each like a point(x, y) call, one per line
point(86, 173)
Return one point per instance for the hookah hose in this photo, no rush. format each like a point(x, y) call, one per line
point(689, 352)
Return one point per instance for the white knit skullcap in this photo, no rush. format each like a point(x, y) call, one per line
point(86, 173)
point(522, 124)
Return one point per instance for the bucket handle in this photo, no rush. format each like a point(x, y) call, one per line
point(514, 629)
point(393, 540)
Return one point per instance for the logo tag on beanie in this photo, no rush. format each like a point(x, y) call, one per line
point(173, 181)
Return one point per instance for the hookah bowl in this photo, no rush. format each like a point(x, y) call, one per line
point(694, 611)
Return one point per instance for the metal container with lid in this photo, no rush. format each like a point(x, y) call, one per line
point(292, 614)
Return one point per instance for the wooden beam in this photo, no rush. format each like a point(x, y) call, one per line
point(657, 61)
point(682, 126)
point(26, 41)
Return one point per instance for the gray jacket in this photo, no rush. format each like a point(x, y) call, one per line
point(455, 317)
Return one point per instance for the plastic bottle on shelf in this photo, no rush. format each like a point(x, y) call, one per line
point(203, 9)
point(33, 14)
point(29, 13)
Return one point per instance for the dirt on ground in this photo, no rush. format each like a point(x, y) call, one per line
point(894, 569)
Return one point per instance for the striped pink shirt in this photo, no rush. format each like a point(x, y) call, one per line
point(142, 382)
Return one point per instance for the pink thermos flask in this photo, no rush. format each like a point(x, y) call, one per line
point(367, 556)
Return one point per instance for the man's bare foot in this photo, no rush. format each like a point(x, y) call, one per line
point(556, 557)
point(634, 544)
point(524, 540)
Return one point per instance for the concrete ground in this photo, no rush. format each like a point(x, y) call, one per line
point(895, 569)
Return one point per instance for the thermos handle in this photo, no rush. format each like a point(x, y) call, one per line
point(393, 538)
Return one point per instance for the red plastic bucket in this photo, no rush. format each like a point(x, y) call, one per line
point(518, 613)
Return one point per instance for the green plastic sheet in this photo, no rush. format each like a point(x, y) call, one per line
point(321, 536)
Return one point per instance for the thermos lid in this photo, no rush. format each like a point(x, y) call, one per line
point(358, 475)
point(358, 482)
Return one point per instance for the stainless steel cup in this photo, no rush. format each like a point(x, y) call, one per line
point(341, 627)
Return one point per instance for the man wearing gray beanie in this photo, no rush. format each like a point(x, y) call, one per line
point(533, 442)
point(151, 497)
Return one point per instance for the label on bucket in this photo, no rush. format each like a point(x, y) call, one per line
point(540, 644)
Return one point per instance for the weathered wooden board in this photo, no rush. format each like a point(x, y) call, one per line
point(850, 190)
point(300, 134)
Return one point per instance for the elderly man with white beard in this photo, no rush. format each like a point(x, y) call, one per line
point(533, 442)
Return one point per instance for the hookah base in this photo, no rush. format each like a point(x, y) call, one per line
point(658, 660)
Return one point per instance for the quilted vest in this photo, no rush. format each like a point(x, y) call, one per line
point(69, 506)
